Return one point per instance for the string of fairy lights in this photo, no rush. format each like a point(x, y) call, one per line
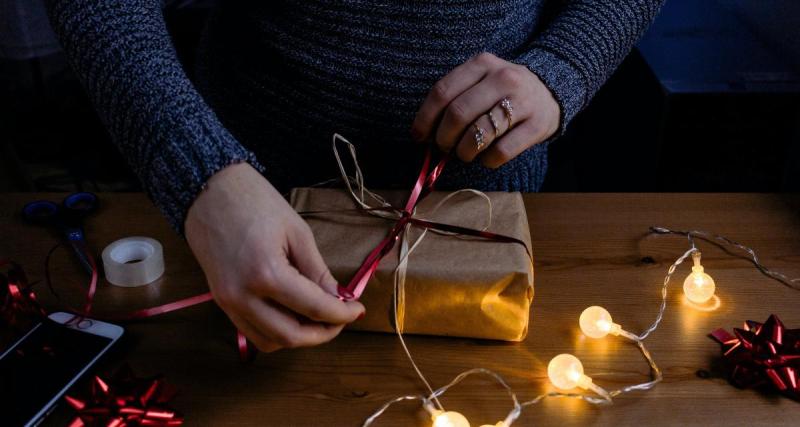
point(565, 371)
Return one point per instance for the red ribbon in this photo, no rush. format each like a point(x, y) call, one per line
point(125, 401)
point(122, 401)
point(422, 187)
point(763, 354)
point(20, 308)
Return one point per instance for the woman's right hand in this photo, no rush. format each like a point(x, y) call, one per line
point(262, 264)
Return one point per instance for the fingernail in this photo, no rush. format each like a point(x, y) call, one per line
point(361, 316)
point(416, 134)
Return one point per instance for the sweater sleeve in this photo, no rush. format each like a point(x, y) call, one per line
point(124, 57)
point(583, 44)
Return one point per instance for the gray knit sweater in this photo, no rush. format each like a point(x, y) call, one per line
point(277, 78)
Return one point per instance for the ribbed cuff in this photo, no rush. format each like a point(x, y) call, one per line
point(564, 81)
point(179, 172)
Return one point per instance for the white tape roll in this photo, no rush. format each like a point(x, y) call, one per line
point(133, 261)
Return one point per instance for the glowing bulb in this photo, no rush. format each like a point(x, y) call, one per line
point(698, 286)
point(449, 419)
point(596, 322)
point(566, 372)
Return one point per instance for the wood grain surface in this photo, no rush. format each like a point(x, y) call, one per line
point(590, 249)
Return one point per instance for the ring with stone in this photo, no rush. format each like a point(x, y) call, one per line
point(479, 136)
point(505, 104)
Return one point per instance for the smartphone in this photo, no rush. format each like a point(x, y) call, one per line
point(42, 365)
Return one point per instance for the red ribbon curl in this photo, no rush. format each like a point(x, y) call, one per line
point(20, 309)
point(125, 401)
point(763, 354)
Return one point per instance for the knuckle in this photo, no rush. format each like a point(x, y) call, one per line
point(288, 340)
point(485, 58)
point(315, 312)
point(457, 113)
point(463, 153)
point(537, 134)
point(265, 279)
point(509, 76)
point(490, 161)
point(504, 153)
point(439, 91)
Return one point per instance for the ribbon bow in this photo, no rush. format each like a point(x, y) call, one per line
point(404, 217)
point(763, 354)
point(126, 401)
point(19, 303)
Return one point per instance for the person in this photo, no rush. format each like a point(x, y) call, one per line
point(492, 81)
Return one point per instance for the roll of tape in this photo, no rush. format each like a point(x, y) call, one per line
point(133, 261)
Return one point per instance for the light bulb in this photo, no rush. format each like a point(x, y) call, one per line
point(566, 372)
point(596, 322)
point(449, 419)
point(698, 286)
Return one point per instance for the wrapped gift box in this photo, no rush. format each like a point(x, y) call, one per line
point(455, 285)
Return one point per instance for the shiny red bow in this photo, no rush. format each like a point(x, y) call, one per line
point(126, 401)
point(20, 309)
point(763, 354)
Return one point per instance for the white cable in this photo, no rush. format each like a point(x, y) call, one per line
point(605, 398)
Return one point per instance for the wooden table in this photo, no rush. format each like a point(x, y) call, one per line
point(589, 249)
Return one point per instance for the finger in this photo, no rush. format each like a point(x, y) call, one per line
point(447, 89)
point(261, 341)
point(467, 107)
point(305, 256)
point(523, 136)
point(284, 283)
point(469, 147)
point(285, 328)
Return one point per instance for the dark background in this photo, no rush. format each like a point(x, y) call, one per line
point(709, 101)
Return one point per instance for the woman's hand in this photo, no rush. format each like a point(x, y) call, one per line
point(457, 110)
point(262, 264)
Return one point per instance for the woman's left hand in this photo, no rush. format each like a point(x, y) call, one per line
point(460, 110)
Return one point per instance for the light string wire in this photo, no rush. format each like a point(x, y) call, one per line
point(717, 239)
point(605, 397)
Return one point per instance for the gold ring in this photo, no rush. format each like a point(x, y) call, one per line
point(495, 125)
point(479, 134)
point(505, 104)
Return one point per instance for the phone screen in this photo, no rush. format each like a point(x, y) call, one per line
point(40, 366)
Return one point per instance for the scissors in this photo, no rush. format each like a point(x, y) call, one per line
point(67, 218)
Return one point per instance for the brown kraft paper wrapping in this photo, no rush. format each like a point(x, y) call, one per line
point(455, 286)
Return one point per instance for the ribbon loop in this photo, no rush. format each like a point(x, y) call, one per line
point(763, 353)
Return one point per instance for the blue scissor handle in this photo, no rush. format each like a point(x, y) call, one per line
point(41, 212)
point(67, 218)
point(80, 204)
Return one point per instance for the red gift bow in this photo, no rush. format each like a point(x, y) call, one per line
point(763, 354)
point(19, 303)
point(125, 401)
point(422, 187)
